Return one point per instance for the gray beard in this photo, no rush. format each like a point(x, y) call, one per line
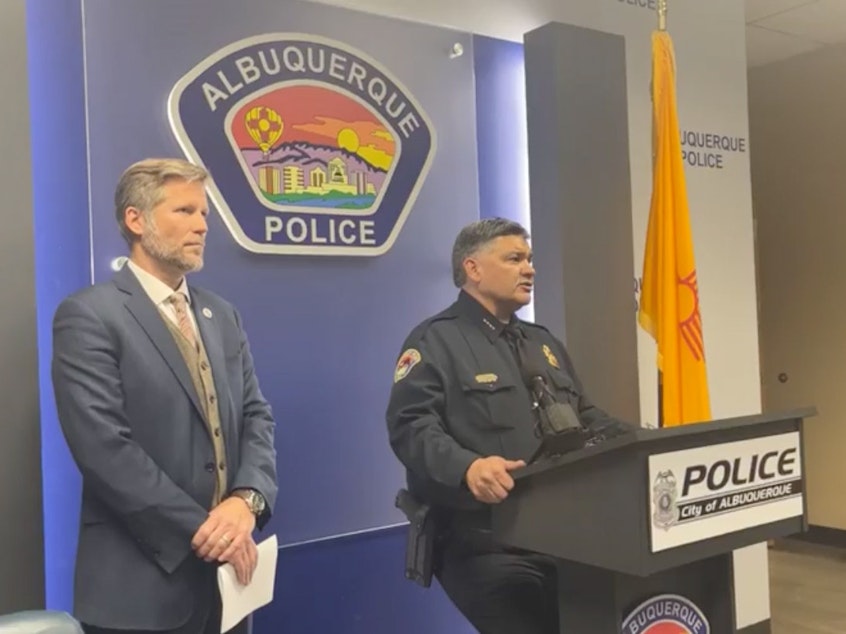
point(171, 258)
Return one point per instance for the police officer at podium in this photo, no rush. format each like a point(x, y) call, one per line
point(461, 419)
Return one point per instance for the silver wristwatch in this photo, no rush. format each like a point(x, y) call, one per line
point(254, 499)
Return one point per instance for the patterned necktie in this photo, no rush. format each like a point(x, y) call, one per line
point(180, 307)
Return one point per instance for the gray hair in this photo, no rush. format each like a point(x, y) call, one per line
point(140, 186)
point(476, 236)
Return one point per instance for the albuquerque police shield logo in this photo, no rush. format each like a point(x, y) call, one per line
point(664, 495)
point(666, 614)
point(314, 148)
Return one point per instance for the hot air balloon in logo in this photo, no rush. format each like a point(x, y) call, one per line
point(264, 126)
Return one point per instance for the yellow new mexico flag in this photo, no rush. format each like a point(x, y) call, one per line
point(669, 300)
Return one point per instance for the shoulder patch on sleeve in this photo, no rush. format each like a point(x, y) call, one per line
point(407, 360)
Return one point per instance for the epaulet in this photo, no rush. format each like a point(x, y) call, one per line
point(531, 324)
point(422, 328)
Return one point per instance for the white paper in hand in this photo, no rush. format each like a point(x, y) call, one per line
point(239, 601)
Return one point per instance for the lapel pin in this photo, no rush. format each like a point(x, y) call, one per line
point(207, 313)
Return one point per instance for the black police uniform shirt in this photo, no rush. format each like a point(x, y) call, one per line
point(458, 395)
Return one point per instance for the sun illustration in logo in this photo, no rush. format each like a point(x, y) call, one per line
point(348, 140)
point(309, 146)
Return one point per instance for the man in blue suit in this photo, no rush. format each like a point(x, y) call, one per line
point(161, 408)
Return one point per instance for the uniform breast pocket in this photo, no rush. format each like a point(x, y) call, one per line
point(492, 403)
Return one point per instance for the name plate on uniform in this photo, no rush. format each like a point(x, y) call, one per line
point(709, 491)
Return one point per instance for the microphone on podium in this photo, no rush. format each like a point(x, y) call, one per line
point(560, 429)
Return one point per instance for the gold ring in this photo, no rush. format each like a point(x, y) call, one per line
point(225, 539)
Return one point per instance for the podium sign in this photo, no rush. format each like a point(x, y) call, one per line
point(700, 493)
point(643, 526)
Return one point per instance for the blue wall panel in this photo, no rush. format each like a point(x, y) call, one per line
point(502, 135)
point(62, 251)
point(355, 585)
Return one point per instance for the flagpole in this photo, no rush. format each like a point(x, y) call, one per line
point(662, 26)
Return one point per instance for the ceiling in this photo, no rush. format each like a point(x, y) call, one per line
point(778, 29)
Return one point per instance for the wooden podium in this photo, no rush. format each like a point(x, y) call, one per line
point(656, 513)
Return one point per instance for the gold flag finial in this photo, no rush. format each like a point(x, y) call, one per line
point(662, 15)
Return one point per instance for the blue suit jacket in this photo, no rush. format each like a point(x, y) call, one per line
point(133, 422)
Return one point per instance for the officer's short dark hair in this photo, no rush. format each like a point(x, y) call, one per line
point(475, 236)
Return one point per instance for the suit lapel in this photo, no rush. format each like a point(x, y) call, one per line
point(151, 321)
point(208, 325)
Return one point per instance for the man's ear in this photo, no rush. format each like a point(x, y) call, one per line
point(135, 220)
point(472, 269)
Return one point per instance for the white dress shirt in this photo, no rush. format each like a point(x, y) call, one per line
point(160, 293)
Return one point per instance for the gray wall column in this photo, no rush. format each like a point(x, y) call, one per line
point(581, 206)
point(21, 532)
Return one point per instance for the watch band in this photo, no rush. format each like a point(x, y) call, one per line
point(255, 500)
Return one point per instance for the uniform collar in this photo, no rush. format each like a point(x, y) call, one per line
point(470, 309)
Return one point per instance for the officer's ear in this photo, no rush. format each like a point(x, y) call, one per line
point(472, 269)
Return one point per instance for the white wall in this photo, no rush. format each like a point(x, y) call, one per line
point(709, 39)
point(796, 113)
